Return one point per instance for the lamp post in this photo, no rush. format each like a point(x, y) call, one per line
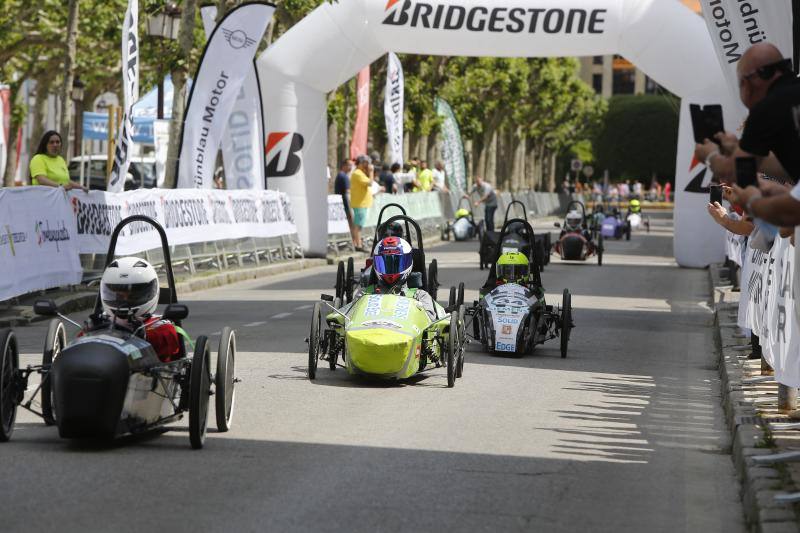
point(164, 24)
point(77, 99)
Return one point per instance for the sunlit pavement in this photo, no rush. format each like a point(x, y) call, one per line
point(626, 434)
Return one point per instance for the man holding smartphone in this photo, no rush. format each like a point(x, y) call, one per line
point(770, 90)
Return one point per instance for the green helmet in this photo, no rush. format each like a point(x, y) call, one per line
point(461, 213)
point(635, 206)
point(513, 267)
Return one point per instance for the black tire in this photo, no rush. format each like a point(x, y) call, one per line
point(476, 324)
point(481, 265)
point(451, 301)
point(627, 231)
point(199, 392)
point(333, 352)
point(462, 335)
point(433, 279)
point(225, 380)
point(600, 251)
point(350, 277)
point(314, 341)
point(9, 367)
point(566, 322)
point(460, 294)
point(340, 280)
point(452, 348)
point(54, 342)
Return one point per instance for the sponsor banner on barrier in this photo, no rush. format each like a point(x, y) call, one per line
point(418, 206)
point(37, 241)
point(337, 218)
point(734, 246)
point(755, 287)
point(188, 216)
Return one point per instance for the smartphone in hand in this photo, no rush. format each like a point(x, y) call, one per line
point(716, 194)
point(706, 122)
point(746, 172)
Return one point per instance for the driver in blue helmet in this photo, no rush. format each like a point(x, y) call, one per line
point(393, 262)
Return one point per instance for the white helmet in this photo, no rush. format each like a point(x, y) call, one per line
point(574, 220)
point(129, 288)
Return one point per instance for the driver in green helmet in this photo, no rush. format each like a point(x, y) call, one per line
point(513, 267)
point(634, 206)
point(461, 213)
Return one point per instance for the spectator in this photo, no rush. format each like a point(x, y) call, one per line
point(48, 168)
point(440, 177)
point(341, 186)
point(361, 181)
point(770, 90)
point(638, 190)
point(219, 178)
point(424, 178)
point(488, 198)
point(668, 192)
point(386, 179)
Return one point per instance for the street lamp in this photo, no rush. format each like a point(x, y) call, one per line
point(164, 24)
point(77, 98)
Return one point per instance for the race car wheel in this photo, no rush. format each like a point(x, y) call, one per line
point(460, 295)
point(451, 301)
point(9, 366)
point(566, 321)
point(315, 341)
point(55, 341)
point(340, 280)
point(462, 336)
point(333, 348)
point(433, 279)
point(225, 380)
point(627, 231)
point(199, 392)
point(452, 350)
point(351, 280)
point(476, 324)
point(600, 251)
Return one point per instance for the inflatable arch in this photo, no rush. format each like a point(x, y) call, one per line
point(662, 37)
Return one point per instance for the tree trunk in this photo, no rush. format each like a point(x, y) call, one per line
point(179, 75)
point(43, 86)
point(422, 148)
point(65, 121)
point(490, 171)
point(551, 172)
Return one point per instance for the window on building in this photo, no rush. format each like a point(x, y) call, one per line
point(597, 83)
point(651, 87)
point(624, 81)
point(597, 60)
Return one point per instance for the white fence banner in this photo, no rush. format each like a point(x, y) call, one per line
point(227, 60)
point(37, 241)
point(787, 328)
point(337, 218)
point(755, 285)
point(188, 216)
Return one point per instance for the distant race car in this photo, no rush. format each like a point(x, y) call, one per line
point(464, 227)
point(575, 242)
point(109, 382)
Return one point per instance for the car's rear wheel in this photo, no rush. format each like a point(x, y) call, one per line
point(566, 321)
point(600, 251)
point(452, 348)
point(462, 335)
point(314, 341)
point(9, 367)
point(627, 231)
point(333, 348)
point(460, 294)
point(199, 392)
point(225, 380)
point(340, 280)
point(348, 287)
point(54, 342)
point(433, 279)
point(451, 301)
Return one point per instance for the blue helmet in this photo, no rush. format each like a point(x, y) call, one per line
point(393, 260)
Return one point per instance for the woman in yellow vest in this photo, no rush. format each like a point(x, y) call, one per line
point(48, 167)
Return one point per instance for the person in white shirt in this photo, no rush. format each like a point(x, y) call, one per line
point(440, 178)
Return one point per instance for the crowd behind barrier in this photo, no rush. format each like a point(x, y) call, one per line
point(51, 238)
point(769, 302)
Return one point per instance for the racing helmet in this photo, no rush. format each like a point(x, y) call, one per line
point(635, 206)
point(129, 288)
point(574, 220)
point(393, 261)
point(461, 213)
point(513, 267)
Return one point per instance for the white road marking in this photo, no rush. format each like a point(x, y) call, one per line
point(281, 315)
point(254, 324)
point(303, 307)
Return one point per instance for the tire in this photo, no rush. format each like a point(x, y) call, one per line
point(340, 280)
point(350, 277)
point(314, 341)
point(199, 393)
point(462, 335)
point(566, 322)
point(628, 231)
point(452, 347)
point(476, 324)
point(460, 294)
point(225, 380)
point(433, 279)
point(55, 341)
point(333, 352)
point(600, 251)
point(451, 301)
point(9, 367)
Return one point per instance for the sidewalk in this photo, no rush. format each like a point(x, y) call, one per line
point(750, 402)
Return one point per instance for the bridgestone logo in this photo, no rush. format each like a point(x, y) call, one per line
point(184, 213)
point(497, 19)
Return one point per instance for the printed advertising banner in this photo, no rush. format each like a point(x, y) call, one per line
point(130, 91)
point(243, 139)
point(227, 61)
point(358, 146)
point(452, 147)
point(320, 53)
point(187, 216)
point(394, 108)
point(37, 241)
point(337, 218)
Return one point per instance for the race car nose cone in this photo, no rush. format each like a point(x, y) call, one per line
point(379, 351)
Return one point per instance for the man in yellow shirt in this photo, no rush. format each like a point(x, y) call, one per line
point(360, 196)
point(425, 177)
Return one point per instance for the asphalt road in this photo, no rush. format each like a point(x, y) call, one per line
point(626, 434)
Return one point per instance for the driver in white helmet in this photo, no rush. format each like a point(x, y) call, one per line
point(574, 224)
point(129, 293)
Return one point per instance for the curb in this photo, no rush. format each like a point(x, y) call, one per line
point(750, 432)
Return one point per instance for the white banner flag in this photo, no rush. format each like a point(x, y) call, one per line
point(130, 90)
point(227, 61)
point(393, 108)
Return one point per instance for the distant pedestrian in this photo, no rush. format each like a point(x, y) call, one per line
point(667, 192)
point(488, 197)
point(387, 181)
point(361, 181)
point(48, 168)
point(341, 186)
point(440, 177)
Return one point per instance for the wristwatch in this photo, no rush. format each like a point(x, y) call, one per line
point(749, 203)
